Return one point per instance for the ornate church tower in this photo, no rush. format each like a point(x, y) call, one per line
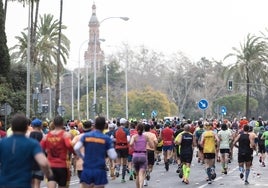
point(94, 49)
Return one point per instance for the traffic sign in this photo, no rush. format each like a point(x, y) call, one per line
point(223, 110)
point(154, 113)
point(203, 104)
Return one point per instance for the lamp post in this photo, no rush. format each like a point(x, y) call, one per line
point(28, 84)
point(78, 80)
point(126, 77)
point(107, 93)
point(95, 58)
point(72, 94)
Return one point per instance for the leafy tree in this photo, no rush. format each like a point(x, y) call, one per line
point(4, 54)
point(235, 104)
point(251, 63)
point(148, 100)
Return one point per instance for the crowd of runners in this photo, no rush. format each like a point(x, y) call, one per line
point(94, 149)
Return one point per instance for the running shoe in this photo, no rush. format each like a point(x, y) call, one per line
point(181, 173)
point(123, 181)
point(148, 176)
point(241, 175)
point(209, 182)
point(246, 182)
point(225, 171)
point(167, 166)
point(185, 181)
point(145, 183)
point(117, 174)
point(263, 164)
point(260, 159)
point(213, 174)
point(131, 177)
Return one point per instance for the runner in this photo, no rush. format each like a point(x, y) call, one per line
point(245, 152)
point(150, 152)
point(225, 136)
point(265, 138)
point(57, 144)
point(186, 143)
point(177, 148)
point(209, 141)
point(111, 162)
point(122, 138)
point(261, 147)
point(132, 131)
point(17, 153)
point(167, 135)
point(159, 147)
point(140, 161)
point(86, 127)
point(37, 174)
point(94, 173)
point(197, 135)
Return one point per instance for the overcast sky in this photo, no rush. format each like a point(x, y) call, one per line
point(199, 28)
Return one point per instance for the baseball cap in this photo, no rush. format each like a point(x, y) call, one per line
point(167, 122)
point(123, 121)
point(36, 122)
point(87, 125)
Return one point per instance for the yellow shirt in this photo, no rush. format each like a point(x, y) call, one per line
point(209, 142)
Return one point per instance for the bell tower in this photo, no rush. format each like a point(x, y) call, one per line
point(94, 49)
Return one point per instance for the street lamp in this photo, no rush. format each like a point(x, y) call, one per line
point(107, 93)
point(28, 84)
point(126, 86)
point(78, 83)
point(95, 58)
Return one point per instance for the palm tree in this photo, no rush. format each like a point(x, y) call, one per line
point(57, 96)
point(251, 60)
point(46, 51)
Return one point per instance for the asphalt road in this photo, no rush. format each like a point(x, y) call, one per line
point(162, 179)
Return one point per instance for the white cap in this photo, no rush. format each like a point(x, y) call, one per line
point(123, 121)
point(111, 125)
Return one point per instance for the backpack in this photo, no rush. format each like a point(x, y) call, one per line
point(120, 138)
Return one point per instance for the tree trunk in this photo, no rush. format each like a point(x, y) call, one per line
point(57, 97)
point(5, 12)
point(247, 96)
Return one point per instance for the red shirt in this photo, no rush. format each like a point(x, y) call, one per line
point(58, 148)
point(167, 136)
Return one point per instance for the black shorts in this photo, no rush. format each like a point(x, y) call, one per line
point(159, 148)
point(261, 148)
point(222, 151)
point(245, 157)
point(186, 158)
point(209, 155)
point(150, 157)
point(38, 174)
point(61, 176)
point(122, 153)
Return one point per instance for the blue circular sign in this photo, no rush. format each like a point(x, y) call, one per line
point(223, 110)
point(203, 104)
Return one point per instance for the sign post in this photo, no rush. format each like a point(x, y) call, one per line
point(223, 111)
point(203, 105)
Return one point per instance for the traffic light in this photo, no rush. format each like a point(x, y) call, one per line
point(142, 113)
point(230, 85)
point(45, 108)
point(100, 108)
